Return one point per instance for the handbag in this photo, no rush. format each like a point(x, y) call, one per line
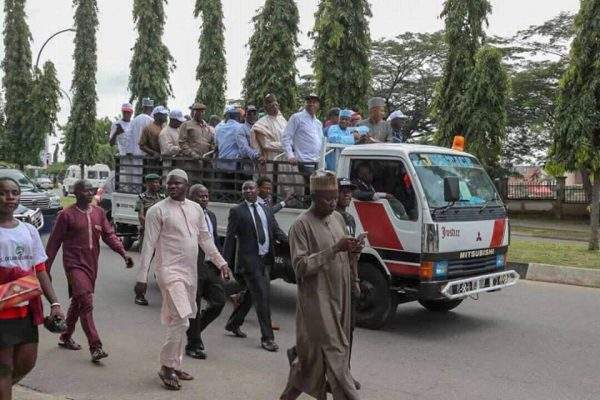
point(19, 291)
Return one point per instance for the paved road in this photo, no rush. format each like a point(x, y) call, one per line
point(533, 341)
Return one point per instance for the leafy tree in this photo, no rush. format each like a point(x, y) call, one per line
point(577, 128)
point(484, 108)
point(17, 80)
point(80, 141)
point(152, 62)
point(538, 57)
point(212, 67)
point(42, 117)
point(464, 20)
point(105, 152)
point(342, 49)
point(405, 72)
point(272, 64)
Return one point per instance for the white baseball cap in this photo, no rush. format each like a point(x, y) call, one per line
point(177, 114)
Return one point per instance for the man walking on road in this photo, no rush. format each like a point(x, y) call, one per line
point(78, 229)
point(321, 258)
point(210, 284)
point(252, 229)
point(174, 229)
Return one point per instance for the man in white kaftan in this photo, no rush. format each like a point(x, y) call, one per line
point(174, 228)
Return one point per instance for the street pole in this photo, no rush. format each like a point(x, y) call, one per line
point(37, 60)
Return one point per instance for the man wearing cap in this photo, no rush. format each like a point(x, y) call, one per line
point(321, 256)
point(137, 126)
point(397, 119)
point(196, 137)
point(149, 143)
point(175, 227)
point(243, 135)
point(119, 130)
point(303, 136)
point(379, 128)
point(152, 195)
point(226, 144)
point(169, 136)
point(342, 133)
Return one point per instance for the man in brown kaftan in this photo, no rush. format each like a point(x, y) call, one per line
point(320, 256)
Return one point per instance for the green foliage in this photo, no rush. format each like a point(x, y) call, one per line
point(80, 140)
point(212, 67)
point(405, 72)
point(484, 108)
point(42, 116)
point(152, 62)
point(342, 50)
point(17, 80)
point(57, 169)
point(105, 153)
point(464, 35)
point(272, 64)
point(538, 57)
point(577, 128)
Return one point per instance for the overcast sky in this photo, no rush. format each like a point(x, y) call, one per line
point(116, 36)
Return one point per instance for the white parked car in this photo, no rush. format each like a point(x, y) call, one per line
point(96, 174)
point(44, 183)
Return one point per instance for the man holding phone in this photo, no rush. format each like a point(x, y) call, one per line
point(321, 254)
point(119, 130)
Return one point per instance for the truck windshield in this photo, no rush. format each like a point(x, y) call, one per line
point(476, 187)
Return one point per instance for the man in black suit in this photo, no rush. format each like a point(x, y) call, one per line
point(210, 284)
point(251, 233)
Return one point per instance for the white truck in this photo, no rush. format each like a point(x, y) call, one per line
point(96, 174)
point(442, 238)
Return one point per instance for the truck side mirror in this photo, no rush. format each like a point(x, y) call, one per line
point(451, 189)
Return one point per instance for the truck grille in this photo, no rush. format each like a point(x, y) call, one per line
point(35, 202)
point(459, 268)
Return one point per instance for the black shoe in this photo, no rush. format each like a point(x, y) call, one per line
point(236, 331)
point(269, 345)
point(196, 353)
point(356, 384)
point(98, 354)
point(200, 344)
point(141, 301)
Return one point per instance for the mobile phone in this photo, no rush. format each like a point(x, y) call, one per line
point(362, 236)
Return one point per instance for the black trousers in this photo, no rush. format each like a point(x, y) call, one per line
point(210, 288)
point(257, 284)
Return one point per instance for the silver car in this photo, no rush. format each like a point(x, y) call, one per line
point(33, 217)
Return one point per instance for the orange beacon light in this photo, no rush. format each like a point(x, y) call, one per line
point(458, 143)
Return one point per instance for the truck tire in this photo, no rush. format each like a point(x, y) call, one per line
point(128, 242)
point(440, 305)
point(376, 304)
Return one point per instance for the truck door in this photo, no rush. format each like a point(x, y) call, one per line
point(385, 205)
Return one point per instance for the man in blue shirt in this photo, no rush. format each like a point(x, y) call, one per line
point(342, 133)
point(243, 136)
point(302, 138)
point(227, 148)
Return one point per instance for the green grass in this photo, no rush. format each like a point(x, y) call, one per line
point(552, 233)
point(565, 254)
point(67, 201)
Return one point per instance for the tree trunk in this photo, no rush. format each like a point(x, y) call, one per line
point(595, 214)
point(587, 184)
point(82, 166)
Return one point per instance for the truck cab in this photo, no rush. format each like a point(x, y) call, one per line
point(437, 231)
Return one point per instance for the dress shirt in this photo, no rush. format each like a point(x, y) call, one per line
point(263, 249)
point(226, 141)
point(243, 142)
point(123, 137)
point(135, 133)
point(267, 204)
point(303, 137)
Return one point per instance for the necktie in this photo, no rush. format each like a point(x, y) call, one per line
point(208, 224)
point(259, 226)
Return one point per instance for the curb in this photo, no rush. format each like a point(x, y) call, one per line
point(25, 393)
point(558, 274)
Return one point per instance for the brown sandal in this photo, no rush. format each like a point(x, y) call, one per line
point(69, 344)
point(170, 380)
point(184, 376)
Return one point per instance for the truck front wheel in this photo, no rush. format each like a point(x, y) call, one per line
point(128, 242)
point(440, 305)
point(376, 304)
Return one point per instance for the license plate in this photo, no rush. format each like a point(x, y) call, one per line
point(465, 287)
